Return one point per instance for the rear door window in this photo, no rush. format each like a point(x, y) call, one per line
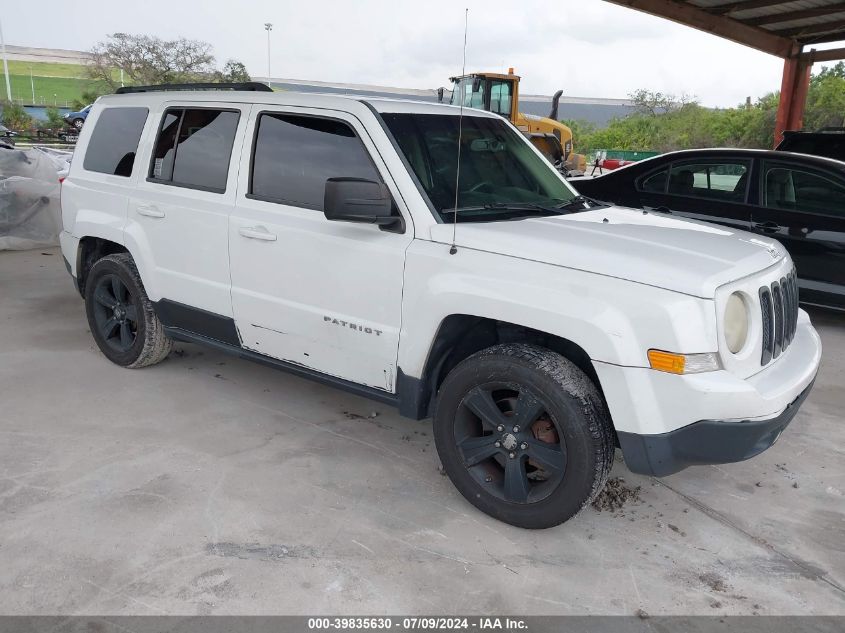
point(802, 189)
point(114, 142)
point(194, 148)
point(294, 155)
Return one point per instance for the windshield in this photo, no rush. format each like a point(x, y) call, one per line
point(498, 166)
point(470, 90)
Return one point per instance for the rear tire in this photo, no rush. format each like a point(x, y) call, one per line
point(512, 410)
point(121, 316)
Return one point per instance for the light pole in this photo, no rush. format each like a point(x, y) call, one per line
point(32, 85)
point(5, 64)
point(267, 27)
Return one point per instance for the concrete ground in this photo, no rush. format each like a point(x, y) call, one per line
point(213, 485)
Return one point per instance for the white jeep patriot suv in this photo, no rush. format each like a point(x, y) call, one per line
point(314, 233)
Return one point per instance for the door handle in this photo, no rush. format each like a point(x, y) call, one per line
point(257, 233)
point(767, 227)
point(149, 210)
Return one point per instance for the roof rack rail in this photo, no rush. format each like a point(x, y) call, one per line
point(249, 86)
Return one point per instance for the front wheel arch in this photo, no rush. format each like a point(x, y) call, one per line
point(458, 337)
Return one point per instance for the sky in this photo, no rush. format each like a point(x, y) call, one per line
point(587, 48)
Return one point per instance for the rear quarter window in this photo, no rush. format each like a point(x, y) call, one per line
point(654, 183)
point(114, 142)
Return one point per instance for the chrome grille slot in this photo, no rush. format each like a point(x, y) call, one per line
point(777, 300)
point(786, 284)
point(793, 320)
point(768, 324)
point(779, 311)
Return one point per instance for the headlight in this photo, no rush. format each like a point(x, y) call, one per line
point(736, 323)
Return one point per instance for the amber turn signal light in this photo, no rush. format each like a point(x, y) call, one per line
point(666, 361)
point(683, 363)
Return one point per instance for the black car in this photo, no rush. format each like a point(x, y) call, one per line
point(829, 142)
point(794, 198)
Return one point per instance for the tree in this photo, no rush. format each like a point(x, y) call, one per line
point(654, 103)
point(233, 72)
point(54, 118)
point(826, 99)
point(662, 122)
point(147, 60)
point(579, 127)
point(837, 70)
point(13, 116)
point(87, 98)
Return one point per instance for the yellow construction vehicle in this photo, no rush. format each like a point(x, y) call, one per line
point(499, 93)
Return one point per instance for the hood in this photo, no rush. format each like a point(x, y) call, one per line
point(677, 254)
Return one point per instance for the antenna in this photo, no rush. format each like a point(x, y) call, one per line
point(454, 249)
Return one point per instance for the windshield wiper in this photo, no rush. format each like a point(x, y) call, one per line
point(505, 206)
point(581, 203)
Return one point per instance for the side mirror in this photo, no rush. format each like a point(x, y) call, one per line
point(360, 200)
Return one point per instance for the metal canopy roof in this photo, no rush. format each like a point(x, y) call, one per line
point(778, 27)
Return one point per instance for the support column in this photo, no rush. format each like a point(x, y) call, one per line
point(793, 94)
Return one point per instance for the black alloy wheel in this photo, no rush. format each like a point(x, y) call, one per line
point(121, 316)
point(523, 434)
point(496, 434)
point(115, 313)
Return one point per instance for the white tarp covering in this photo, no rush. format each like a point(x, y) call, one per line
point(30, 216)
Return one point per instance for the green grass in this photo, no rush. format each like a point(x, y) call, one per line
point(65, 89)
point(47, 69)
point(66, 81)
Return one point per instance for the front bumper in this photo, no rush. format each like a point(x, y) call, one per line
point(666, 422)
point(705, 442)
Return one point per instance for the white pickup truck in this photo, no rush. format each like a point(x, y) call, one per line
point(432, 259)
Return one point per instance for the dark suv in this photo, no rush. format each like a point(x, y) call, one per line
point(828, 142)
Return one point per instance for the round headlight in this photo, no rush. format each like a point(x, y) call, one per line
point(736, 323)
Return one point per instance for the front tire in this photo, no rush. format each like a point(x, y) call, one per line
point(78, 123)
point(523, 434)
point(121, 316)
